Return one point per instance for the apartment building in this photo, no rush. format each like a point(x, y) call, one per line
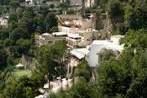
point(89, 3)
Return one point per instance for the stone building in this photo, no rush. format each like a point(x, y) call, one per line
point(79, 30)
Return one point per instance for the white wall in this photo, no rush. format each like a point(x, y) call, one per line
point(96, 47)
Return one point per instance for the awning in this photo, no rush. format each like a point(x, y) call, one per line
point(59, 33)
point(19, 65)
point(75, 36)
point(45, 34)
point(79, 52)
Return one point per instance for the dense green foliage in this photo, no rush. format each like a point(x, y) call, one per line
point(127, 75)
point(27, 87)
point(18, 37)
point(125, 14)
point(17, 40)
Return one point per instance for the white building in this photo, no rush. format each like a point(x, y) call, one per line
point(97, 45)
point(59, 34)
point(54, 3)
point(29, 2)
point(57, 85)
point(4, 21)
point(89, 3)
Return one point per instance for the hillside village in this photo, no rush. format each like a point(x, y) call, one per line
point(79, 34)
point(73, 49)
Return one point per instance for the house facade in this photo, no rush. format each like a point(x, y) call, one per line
point(43, 39)
point(79, 30)
point(86, 3)
point(89, 3)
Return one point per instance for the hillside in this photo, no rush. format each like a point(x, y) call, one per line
point(45, 48)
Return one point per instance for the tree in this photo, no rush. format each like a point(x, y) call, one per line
point(13, 17)
point(18, 33)
point(83, 70)
point(136, 39)
point(23, 45)
point(116, 13)
point(4, 2)
point(39, 20)
point(50, 22)
point(4, 34)
point(19, 88)
point(51, 58)
point(125, 76)
point(135, 15)
point(14, 3)
point(64, 5)
point(3, 59)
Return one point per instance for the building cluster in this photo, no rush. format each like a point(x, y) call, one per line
point(91, 53)
point(86, 3)
point(78, 30)
point(47, 2)
point(79, 34)
point(55, 86)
